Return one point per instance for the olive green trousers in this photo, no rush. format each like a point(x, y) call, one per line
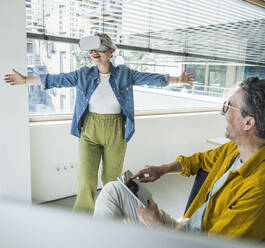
point(101, 138)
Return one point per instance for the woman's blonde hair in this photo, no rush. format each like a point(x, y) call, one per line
point(105, 36)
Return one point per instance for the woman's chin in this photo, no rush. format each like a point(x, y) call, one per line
point(96, 61)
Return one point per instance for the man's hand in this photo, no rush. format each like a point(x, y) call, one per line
point(186, 79)
point(149, 174)
point(150, 215)
point(14, 79)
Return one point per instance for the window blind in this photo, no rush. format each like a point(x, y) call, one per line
point(227, 30)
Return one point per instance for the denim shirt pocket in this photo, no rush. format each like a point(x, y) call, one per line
point(126, 92)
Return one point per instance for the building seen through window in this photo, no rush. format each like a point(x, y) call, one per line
point(215, 79)
point(213, 84)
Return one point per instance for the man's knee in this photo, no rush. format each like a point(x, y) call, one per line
point(112, 192)
point(115, 201)
point(113, 186)
point(108, 201)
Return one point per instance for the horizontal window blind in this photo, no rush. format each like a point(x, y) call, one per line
point(228, 30)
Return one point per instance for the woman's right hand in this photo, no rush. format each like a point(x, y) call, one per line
point(14, 79)
point(149, 173)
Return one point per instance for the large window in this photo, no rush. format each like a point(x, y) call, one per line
point(52, 57)
point(150, 37)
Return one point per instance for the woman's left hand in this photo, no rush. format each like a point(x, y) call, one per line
point(186, 79)
point(150, 215)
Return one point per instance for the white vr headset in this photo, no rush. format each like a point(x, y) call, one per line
point(95, 42)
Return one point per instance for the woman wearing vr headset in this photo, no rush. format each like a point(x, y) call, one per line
point(104, 111)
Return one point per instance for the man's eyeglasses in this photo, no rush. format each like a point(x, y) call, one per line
point(227, 105)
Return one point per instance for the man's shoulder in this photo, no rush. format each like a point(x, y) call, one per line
point(230, 147)
point(257, 178)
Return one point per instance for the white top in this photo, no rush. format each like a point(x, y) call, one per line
point(103, 100)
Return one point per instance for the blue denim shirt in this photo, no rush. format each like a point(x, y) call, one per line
point(86, 80)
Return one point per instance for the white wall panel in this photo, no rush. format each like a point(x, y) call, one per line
point(14, 126)
point(158, 139)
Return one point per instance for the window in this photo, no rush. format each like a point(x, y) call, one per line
point(146, 98)
point(29, 47)
point(218, 51)
point(217, 79)
point(252, 71)
point(62, 61)
point(44, 59)
point(217, 75)
point(62, 102)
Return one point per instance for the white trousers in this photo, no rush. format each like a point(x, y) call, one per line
point(115, 202)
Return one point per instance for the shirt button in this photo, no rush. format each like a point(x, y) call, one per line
point(127, 89)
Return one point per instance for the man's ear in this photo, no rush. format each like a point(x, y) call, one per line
point(250, 122)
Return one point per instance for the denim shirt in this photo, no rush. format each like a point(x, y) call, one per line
point(86, 80)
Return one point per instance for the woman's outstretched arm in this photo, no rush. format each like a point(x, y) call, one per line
point(17, 78)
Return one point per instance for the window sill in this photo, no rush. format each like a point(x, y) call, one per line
point(44, 118)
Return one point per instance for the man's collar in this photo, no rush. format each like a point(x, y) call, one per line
point(252, 163)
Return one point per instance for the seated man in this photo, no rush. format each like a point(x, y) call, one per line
point(231, 201)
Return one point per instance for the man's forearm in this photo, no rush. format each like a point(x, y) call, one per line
point(33, 80)
point(174, 167)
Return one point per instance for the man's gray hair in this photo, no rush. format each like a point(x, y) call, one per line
point(254, 102)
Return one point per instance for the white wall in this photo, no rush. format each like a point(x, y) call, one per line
point(158, 139)
point(15, 177)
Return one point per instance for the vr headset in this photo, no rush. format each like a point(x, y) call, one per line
point(96, 43)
